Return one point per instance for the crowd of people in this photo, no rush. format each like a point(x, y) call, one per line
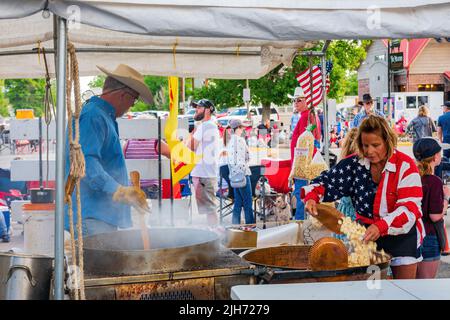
point(401, 201)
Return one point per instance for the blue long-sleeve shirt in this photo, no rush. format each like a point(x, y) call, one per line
point(105, 165)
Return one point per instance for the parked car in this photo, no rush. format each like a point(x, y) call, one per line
point(223, 113)
point(255, 116)
point(156, 113)
point(190, 116)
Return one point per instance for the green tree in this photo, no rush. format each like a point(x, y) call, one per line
point(352, 84)
point(97, 82)
point(346, 56)
point(157, 85)
point(26, 94)
point(4, 104)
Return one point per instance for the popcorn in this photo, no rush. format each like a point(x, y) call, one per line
point(363, 253)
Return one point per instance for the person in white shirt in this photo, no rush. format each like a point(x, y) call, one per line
point(238, 159)
point(204, 140)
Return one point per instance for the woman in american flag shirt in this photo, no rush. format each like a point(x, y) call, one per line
point(385, 187)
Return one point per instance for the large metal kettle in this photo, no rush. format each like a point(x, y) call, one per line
point(25, 276)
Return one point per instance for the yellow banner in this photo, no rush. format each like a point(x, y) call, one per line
point(183, 159)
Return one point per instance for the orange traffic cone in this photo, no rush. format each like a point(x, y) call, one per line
point(446, 250)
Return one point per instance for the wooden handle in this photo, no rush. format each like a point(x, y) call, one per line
point(135, 178)
point(70, 186)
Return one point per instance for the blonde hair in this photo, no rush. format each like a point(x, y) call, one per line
point(379, 126)
point(349, 146)
point(424, 166)
point(423, 111)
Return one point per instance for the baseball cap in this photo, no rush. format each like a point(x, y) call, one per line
point(205, 103)
point(428, 147)
point(235, 123)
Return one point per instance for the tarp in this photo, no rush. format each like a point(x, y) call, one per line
point(204, 38)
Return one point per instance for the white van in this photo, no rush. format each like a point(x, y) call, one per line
point(408, 103)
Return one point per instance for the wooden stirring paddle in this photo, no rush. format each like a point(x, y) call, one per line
point(135, 178)
point(329, 217)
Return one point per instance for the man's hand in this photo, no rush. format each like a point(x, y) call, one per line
point(132, 196)
point(311, 207)
point(372, 233)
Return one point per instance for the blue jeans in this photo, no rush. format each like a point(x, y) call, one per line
point(300, 210)
point(430, 248)
point(92, 226)
point(243, 199)
point(3, 227)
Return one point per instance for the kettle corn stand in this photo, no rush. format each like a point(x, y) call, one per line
point(228, 42)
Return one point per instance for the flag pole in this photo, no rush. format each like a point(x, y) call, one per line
point(159, 169)
point(171, 196)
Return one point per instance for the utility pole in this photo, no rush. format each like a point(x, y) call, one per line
point(389, 80)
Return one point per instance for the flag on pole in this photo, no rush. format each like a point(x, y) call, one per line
point(182, 159)
point(304, 79)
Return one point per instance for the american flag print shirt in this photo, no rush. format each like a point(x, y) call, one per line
point(394, 206)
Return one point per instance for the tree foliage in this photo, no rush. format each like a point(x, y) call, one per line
point(157, 85)
point(346, 55)
point(26, 94)
point(4, 103)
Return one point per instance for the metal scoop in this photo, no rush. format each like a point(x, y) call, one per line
point(135, 178)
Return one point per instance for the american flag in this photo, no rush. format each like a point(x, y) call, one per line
point(305, 82)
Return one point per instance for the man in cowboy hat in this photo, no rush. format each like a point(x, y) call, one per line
point(366, 110)
point(105, 192)
point(204, 141)
point(306, 117)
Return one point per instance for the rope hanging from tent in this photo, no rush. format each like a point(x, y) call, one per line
point(77, 168)
point(49, 106)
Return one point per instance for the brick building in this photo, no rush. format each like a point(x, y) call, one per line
point(426, 67)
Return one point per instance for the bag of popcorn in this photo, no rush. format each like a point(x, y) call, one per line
point(316, 166)
point(303, 155)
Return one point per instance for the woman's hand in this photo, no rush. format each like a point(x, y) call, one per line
point(446, 191)
point(310, 206)
point(372, 233)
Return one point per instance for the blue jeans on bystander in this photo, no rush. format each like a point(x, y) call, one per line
point(243, 199)
point(300, 210)
point(4, 235)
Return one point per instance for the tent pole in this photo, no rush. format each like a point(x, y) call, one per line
point(326, 138)
point(60, 153)
point(134, 50)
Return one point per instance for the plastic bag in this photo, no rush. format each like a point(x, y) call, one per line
point(316, 166)
point(303, 154)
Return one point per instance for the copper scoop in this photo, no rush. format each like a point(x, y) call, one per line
point(135, 178)
point(329, 217)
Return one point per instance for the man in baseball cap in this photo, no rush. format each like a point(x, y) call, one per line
point(204, 141)
point(204, 108)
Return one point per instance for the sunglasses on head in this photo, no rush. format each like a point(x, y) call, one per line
point(299, 100)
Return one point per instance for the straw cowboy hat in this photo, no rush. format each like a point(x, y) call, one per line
point(132, 79)
point(298, 93)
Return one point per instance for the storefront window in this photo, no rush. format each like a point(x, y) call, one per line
point(430, 87)
point(411, 102)
point(422, 100)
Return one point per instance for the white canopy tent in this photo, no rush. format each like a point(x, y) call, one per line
point(210, 38)
point(234, 39)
